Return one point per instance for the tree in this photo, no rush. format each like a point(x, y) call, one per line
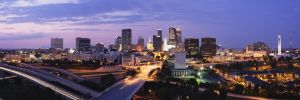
point(223, 93)
point(210, 94)
point(2, 55)
point(37, 55)
point(165, 70)
point(192, 82)
point(238, 88)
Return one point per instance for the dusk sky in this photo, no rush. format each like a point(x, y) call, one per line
point(235, 23)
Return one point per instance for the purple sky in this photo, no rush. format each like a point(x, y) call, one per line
point(235, 23)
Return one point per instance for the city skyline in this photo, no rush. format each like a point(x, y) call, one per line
point(22, 24)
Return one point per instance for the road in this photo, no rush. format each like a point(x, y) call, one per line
point(123, 90)
point(50, 77)
point(43, 83)
point(76, 77)
point(4, 78)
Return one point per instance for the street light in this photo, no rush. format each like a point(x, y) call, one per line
point(201, 68)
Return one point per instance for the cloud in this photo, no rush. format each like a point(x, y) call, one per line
point(9, 17)
point(98, 18)
point(121, 13)
point(30, 3)
point(20, 36)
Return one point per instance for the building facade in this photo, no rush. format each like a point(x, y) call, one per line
point(175, 37)
point(57, 43)
point(208, 47)
point(126, 39)
point(180, 68)
point(118, 43)
point(157, 41)
point(191, 46)
point(83, 44)
point(99, 47)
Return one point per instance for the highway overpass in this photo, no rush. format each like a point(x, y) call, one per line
point(46, 79)
point(37, 80)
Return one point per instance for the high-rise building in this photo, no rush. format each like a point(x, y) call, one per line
point(178, 38)
point(165, 44)
point(279, 45)
point(140, 46)
point(118, 43)
point(141, 41)
point(113, 47)
point(126, 39)
point(150, 45)
point(83, 44)
point(118, 40)
point(191, 46)
point(159, 32)
point(157, 41)
point(208, 47)
point(175, 35)
point(100, 47)
point(57, 43)
point(172, 36)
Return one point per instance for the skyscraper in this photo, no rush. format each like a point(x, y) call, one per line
point(140, 46)
point(157, 41)
point(175, 35)
point(172, 36)
point(57, 43)
point(191, 46)
point(83, 44)
point(159, 32)
point(126, 39)
point(165, 44)
point(118, 40)
point(150, 45)
point(279, 44)
point(100, 47)
point(118, 43)
point(141, 41)
point(178, 38)
point(208, 47)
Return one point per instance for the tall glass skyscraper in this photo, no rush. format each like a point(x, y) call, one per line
point(126, 39)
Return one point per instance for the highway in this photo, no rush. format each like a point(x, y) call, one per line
point(4, 78)
point(43, 83)
point(76, 77)
point(123, 90)
point(50, 77)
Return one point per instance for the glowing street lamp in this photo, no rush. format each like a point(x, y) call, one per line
point(201, 68)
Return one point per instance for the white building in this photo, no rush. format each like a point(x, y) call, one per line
point(180, 60)
point(180, 69)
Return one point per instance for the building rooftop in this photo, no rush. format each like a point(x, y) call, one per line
point(255, 81)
